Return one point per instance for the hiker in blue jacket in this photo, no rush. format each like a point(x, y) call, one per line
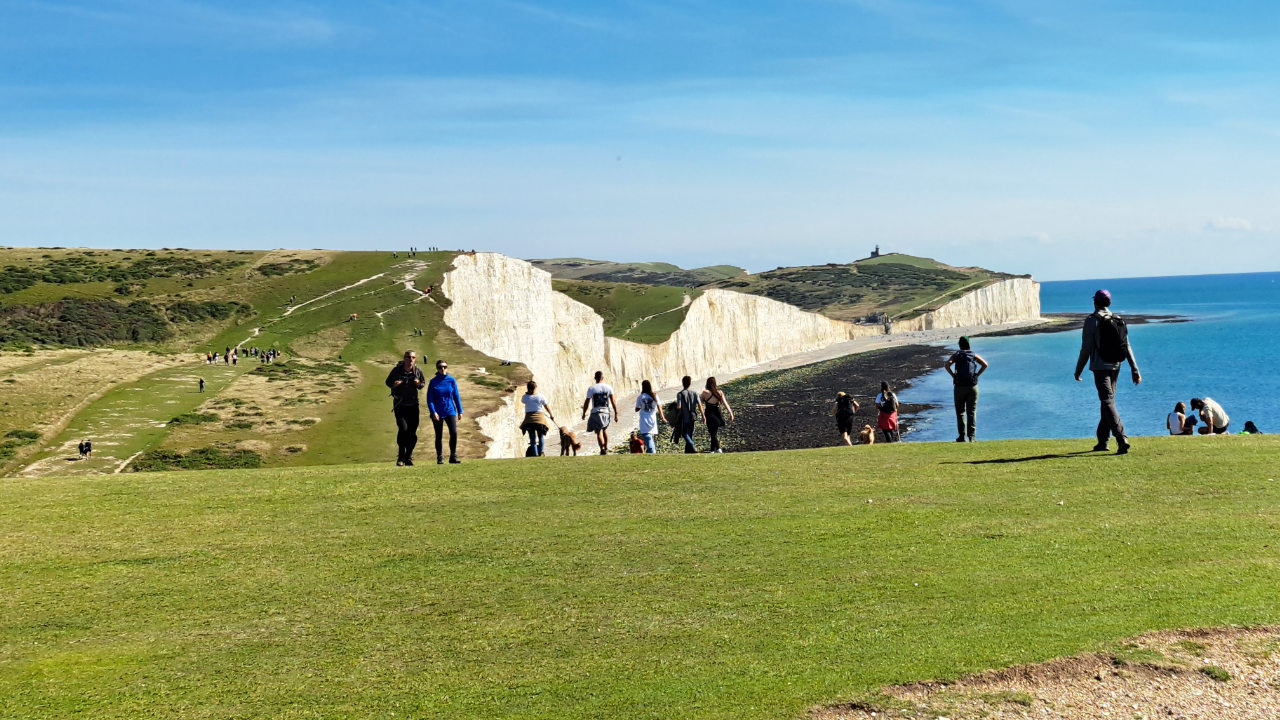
point(446, 409)
point(1105, 346)
point(964, 367)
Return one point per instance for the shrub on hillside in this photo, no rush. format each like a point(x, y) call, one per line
point(83, 322)
point(85, 268)
point(289, 267)
point(209, 458)
point(193, 419)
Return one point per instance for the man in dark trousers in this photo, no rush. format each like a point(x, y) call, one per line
point(1105, 347)
point(405, 379)
point(964, 367)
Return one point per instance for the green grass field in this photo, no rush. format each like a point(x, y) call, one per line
point(734, 586)
point(632, 311)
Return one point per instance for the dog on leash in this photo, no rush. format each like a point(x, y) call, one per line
point(568, 441)
point(867, 435)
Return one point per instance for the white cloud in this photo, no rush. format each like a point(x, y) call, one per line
point(1229, 224)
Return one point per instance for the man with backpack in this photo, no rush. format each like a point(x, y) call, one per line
point(964, 367)
point(1105, 346)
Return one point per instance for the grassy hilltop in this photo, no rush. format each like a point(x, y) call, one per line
point(898, 285)
point(755, 585)
point(110, 345)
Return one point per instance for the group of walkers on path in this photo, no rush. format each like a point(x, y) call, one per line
point(231, 355)
point(1104, 349)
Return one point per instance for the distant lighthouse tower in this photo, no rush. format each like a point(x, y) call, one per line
point(876, 253)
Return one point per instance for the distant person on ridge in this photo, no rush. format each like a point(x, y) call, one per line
point(965, 367)
point(446, 409)
point(688, 409)
point(648, 410)
point(843, 410)
point(405, 379)
point(599, 398)
point(713, 401)
point(1214, 417)
point(1105, 347)
point(887, 415)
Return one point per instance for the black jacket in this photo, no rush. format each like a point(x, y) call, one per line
point(407, 392)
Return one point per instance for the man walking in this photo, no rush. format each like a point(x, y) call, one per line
point(446, 409)
point(1105, 347)
point(965, 367)
point(405, 379)
point(688, 407)
point(599, 398)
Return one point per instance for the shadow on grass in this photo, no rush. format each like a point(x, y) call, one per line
point(1030, 458)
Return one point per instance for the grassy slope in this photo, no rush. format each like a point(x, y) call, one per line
point(643, 313)
point(753, 586)
point(900, 285)
point(647, 273)
point(371, 344)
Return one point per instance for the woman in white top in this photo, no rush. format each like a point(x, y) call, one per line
point(1177, 422)
point(535, 419)
point(649, 410)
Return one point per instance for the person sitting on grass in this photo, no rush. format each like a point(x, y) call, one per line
point(1179, 422)
point(1250, 428)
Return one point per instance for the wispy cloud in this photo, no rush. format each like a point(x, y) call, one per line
point(1229, 224)
point(176, 21)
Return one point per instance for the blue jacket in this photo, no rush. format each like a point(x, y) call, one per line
point(442, 396)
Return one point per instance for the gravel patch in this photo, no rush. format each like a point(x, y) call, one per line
point(1185, 675)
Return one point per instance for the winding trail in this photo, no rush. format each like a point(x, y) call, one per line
point(683, 304)
point(357, 283)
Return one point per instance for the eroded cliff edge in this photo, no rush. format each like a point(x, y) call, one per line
point(506, 308)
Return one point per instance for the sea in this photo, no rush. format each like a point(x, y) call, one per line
point(1228, 350)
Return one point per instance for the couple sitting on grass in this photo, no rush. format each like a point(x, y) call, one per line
point(1208, 411)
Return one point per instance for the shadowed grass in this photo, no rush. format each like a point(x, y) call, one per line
point(737, 586)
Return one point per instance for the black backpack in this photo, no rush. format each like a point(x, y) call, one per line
point(890, 404)
point(1113, 338)
point(844, 407)
point(966, 367)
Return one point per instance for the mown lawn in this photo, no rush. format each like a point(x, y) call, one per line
point(735, 586)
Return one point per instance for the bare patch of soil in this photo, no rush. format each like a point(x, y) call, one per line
point(1193, 674)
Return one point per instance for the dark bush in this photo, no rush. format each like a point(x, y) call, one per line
point(209, 458)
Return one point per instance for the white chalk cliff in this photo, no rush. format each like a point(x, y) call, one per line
point(506, 308)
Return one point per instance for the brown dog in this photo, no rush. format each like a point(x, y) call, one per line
point(568, 441)
point(867, 436)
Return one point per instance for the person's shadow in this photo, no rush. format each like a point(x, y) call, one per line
point(1030, 458)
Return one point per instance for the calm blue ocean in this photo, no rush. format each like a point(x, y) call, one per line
point(1229, 351)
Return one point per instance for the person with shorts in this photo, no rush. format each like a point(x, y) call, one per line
point(843, 411)
point(446, 409)
point(648, 409)
point(599, 399)
point(1214, 417)
point(405, 379)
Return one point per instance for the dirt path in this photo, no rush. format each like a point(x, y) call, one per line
point(683, 304)
point(1202, 674)
point(129, 418)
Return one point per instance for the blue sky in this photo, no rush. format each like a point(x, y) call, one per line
point(1077, 139)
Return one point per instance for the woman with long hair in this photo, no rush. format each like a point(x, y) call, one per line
point(649, 410)
point(715, 407)
point(887, 418)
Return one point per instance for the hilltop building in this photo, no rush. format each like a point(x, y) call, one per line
point(876, 253)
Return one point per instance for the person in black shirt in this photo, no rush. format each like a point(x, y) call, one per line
point(405, 380)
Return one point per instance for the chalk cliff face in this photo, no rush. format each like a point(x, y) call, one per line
point(1013, 300)
point(507, 308)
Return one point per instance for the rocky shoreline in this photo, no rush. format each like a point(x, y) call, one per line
point(788, 409)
